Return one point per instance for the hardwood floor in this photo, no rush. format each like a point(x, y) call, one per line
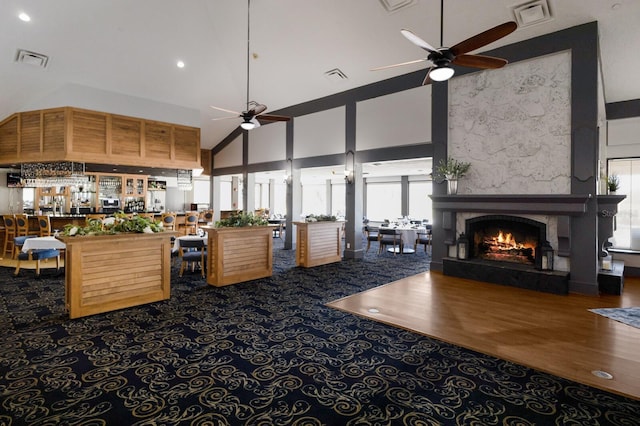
point(551, 333)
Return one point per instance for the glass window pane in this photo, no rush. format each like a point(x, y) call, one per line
point(279, 207)
point(419, 201)
point(338, 199)
point(627, 230)
point(384, 201)
point(225, 195)
point(201, 191)
point(314, 199)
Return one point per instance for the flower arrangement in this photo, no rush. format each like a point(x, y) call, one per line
point(241, 219)
point(452, 168)
point(320, 218)
point(613, 183)
point(119, 223)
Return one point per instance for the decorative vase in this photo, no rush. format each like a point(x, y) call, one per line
point(452, 186)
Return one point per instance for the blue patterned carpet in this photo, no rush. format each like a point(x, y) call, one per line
point(266, 352)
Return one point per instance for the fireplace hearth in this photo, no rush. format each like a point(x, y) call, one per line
point(504, 238)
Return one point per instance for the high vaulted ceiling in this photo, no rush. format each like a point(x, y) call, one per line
point(131, 47)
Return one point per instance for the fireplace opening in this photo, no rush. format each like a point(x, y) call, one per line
point(503, 238)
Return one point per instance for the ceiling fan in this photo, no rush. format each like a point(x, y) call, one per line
point(255, 111)
point(443, 57)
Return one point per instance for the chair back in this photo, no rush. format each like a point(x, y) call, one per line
point(22, 225)
point(44, 226)
point(169, 221)
point(150, 216)
point(93, 218)
point(9, 224)
point(207, 215)
point(386, 231)
point(189, 244)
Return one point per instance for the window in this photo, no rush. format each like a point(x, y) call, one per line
point(201, 191)
point(419, 200)
point(314, 198)
point(338, 199)
point(627, 230)
point(384, 200)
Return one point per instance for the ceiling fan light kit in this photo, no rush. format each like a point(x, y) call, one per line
point(441, 73)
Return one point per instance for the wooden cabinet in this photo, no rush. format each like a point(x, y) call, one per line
point(134, 193)
point(130, 190)
point(318, 243)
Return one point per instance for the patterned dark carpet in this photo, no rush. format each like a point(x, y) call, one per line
point(266, 352)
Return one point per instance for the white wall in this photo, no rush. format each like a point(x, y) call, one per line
point(319, 133)
point(231, 155)
point(268, 143)
point(401, 118)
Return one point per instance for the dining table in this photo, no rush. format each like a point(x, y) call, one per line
point(41, 243)
point(176, 243)
point(408, 235)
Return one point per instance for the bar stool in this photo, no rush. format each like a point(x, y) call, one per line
point(9, 233)
point(169, 221)
point(190, 225)
point(22, 226)
point(44, 226)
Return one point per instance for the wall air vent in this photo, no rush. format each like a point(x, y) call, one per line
point(32, 58)
point(532, 13)
point(396, 5)
point(335, 75)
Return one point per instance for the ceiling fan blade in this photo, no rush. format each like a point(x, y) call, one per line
point(270, 117)
point(484, 38)
point(427, 80)
point(224, 118)
point(418, 41)
point(480, 61)
point(225, 110)
point(398, 65)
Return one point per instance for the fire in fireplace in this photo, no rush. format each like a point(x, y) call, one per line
point(505, 238)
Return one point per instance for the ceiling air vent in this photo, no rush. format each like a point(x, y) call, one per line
point(395, 5)
point(335, 75)
point(532, 13)
point(32, 58)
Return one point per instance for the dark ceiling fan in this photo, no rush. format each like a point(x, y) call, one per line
point(255, 112)
point(443, 57)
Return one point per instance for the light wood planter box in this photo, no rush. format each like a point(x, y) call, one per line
point(236, 255)
point(318, 243)
point(108, 272)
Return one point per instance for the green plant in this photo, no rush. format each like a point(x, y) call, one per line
point(320, 218)
point(120, 223)
point(241, 219)
point(452, 168)
point(613, 183)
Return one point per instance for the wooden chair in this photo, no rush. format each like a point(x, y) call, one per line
point(207, 216)
point(192, 252)
point(371, 234)
point(388, 236)
point(22, 226)
point(423, 238)
point(9, 233)
point(38, 255)
point(94, 217)
point(168, 221)
point(44, 226)
point(190, 225)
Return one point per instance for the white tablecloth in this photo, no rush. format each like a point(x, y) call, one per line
point(176, 243)
point(38, 243)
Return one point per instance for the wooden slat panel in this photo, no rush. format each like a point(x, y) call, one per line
point(318, 243)
point(157, 141)
point(30, 127)
point(89, 132)
point(125, 136)
point(9, 138)
point(53, 123)
point(186, 148)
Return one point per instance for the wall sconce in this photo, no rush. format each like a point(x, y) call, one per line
point(288, 178)
point(544, 256)
point(349, 167)
point(462, 247)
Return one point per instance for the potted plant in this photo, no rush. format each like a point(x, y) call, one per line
point(239, 249)
point(613, 184)
point(452, 170)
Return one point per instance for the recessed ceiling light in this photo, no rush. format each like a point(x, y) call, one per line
point(180, 64)
point(24, 17)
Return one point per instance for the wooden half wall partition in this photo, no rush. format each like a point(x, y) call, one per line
point(73, 134)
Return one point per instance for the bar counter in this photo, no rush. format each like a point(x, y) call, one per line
point(58, 221)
